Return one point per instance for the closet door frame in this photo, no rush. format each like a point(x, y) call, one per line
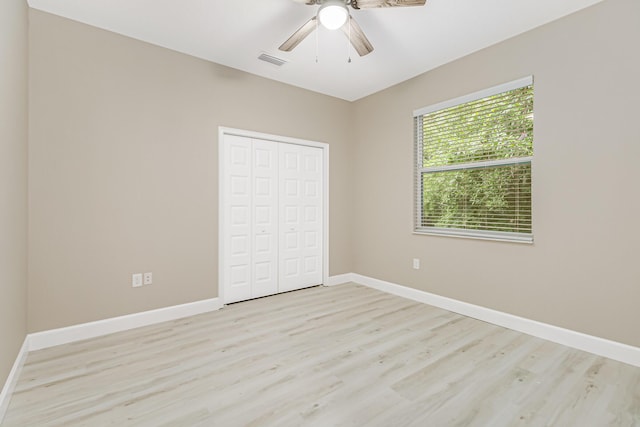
point(222, 220)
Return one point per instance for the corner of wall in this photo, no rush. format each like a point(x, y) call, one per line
point(13, 180)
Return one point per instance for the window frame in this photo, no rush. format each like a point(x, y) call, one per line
point(418, 114)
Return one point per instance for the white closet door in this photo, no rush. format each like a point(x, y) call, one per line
point(300, 235)
point(238, 230)
point(265, 218)
point(273, 217)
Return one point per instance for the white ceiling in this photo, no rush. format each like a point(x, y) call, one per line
point(408, 40)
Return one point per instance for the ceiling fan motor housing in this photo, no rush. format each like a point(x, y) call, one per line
point(333, 14)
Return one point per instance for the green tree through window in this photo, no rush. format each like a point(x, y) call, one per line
point(474, 165)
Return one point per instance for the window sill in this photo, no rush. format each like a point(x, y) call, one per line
point(476, 234)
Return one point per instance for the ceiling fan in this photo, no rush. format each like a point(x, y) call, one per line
point(334, 14)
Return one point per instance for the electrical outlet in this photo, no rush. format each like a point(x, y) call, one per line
point(136, 280)
point(148, 278)
point(416, 264)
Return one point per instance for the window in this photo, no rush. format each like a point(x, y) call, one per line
point(473, 164)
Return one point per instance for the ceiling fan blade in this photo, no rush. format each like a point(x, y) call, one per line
point(299, 35)
point(360, 43)
point(366, 4)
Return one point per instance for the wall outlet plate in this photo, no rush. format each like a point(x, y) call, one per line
point(136, 280)
point(148, 278)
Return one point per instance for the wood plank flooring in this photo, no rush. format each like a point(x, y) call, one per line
point(340, 356)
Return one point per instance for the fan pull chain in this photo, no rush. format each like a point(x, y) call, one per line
point(317, 31)
point(349, 42)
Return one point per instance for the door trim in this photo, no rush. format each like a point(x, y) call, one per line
point(222, 131)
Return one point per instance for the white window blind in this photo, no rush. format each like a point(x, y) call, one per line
point(473, 164)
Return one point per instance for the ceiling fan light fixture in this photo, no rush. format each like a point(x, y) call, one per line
point(333, 14)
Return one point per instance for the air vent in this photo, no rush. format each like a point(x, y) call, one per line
point(272, 59)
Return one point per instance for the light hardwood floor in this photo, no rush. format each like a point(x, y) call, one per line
point(341, 356)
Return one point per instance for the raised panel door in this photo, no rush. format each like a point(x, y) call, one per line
point(238, 230)
point(265, 218)
point(273, 226)
point(301, 216)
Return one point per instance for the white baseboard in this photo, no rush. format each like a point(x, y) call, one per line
point(12, 379)
point(339, 279)
point(600, 346)
point(45, 339)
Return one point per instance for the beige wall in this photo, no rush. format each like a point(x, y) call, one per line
point(582, 271)
point(13, 181)
point(123, 168)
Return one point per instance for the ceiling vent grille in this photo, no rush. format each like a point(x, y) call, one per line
point(272, 59)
